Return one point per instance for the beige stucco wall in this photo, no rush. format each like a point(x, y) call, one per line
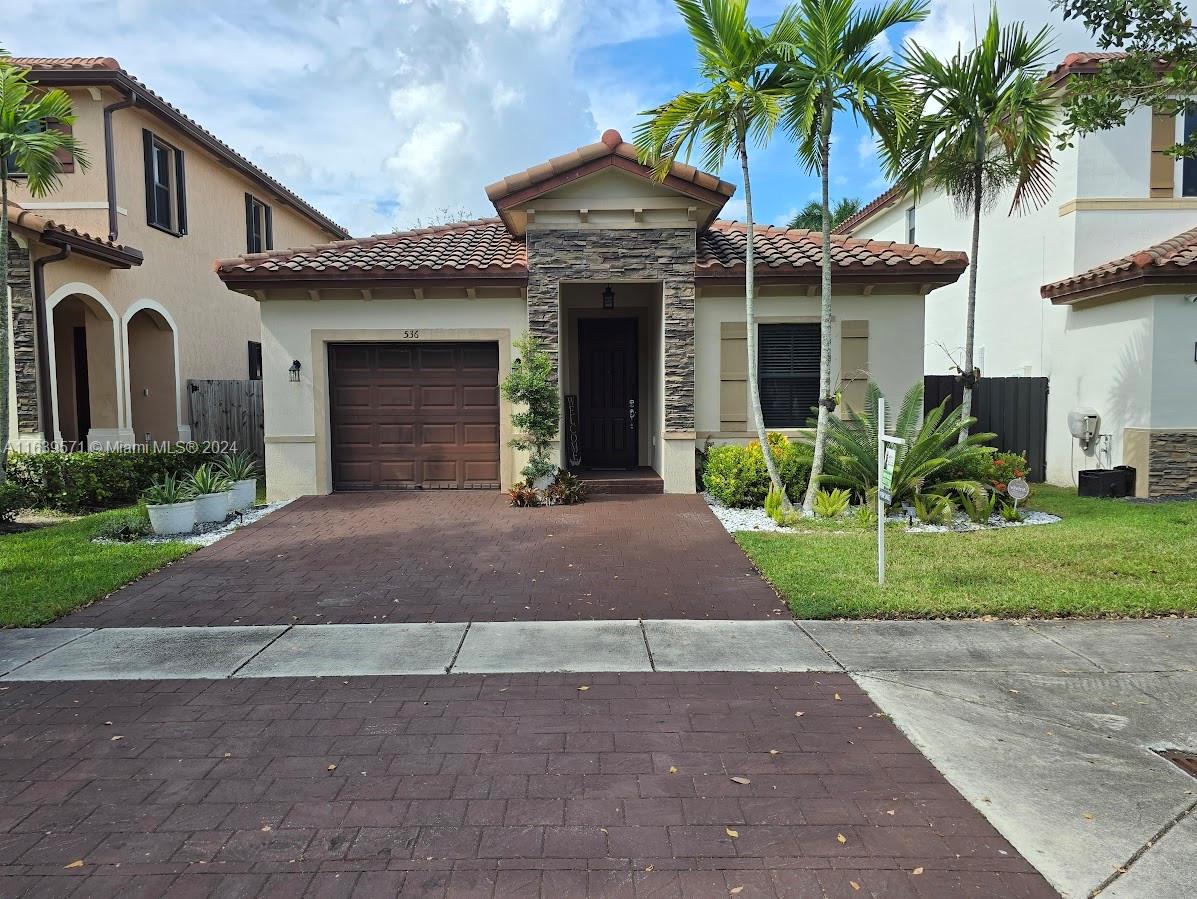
point(214, 325)
point(895, 342)
point(296, 414)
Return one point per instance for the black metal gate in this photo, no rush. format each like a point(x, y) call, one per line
point(1013, 408)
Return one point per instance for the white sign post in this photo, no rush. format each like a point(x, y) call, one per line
point(887, 455)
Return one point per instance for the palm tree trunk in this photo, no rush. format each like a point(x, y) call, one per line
point(5, 323)
point(754, 390)
point(970, 328)
point(816, 470)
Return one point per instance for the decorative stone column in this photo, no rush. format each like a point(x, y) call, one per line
point(24, 344)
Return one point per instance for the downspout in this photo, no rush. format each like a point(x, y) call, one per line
point(43, 341)
point(109, 155)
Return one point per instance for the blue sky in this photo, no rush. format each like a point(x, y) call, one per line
point(392, 113)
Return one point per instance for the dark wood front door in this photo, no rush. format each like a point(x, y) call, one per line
point(414, 415)
point(609, 394)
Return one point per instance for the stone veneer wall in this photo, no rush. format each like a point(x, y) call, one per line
point(1172, 466)
point(640, 254)
point(24, 338)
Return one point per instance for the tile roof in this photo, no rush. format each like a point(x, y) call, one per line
point(485, 249)
point(55, 233)
point(868, 210)
point(788, 252)
point(67, 70)
point(612, 145)
point(1168, 260)
point(482, 248)
point(1085, 62)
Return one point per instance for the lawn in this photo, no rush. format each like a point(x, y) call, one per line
point(1107, 557)
point(48, 572)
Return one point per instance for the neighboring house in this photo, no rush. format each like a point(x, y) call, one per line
point(1123, 349)
point(114, 304)
point(381, 356)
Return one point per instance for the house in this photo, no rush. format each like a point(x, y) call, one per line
point(114, 305)
point(381, 355)
point(1090, 290)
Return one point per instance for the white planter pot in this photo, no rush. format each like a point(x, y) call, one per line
point(243, 494)
point(174, 518)
point(210, 507)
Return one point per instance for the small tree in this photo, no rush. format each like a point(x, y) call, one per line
point(810, 217)
point(530, 385)
point(27, 140)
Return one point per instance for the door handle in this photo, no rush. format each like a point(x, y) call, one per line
point(632, 414)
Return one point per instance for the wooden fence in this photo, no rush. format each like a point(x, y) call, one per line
point(228, 413)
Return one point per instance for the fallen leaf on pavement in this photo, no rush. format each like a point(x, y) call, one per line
point(114, 739)
point(77, 863)
point(583, 689)
point(735, 891)
point(731, 833)
point(841, 839)
point(918, 870)
point(774, 752)
point(673, 769)
point(738, 779)
point(332, 767)
point(854, 885)
point(799, 714)
point(837, 698)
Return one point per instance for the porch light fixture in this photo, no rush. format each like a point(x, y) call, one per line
point(608, 297)
point(294, 370)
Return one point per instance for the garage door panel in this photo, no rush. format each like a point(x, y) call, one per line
point(414, 415)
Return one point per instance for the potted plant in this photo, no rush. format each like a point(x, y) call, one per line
point(170, 506)
point(242, 470)
point(211, 490)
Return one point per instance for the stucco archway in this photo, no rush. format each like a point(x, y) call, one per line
point(86, 368)
point(153, 394)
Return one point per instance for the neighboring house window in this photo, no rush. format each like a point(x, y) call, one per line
point(165, 187)
point(66, 162)
point(1189, 178)
point(910, 230)
point(259, 230)
point(788, 369)
point(255, 361)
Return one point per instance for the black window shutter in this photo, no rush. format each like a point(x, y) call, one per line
point(249, 225)
point(181, 188)
point(255, 360)
point(148, 143)
point(269, 228)
point(788, 369)
point(1189, 165)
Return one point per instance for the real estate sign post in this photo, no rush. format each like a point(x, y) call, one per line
point(887, 456)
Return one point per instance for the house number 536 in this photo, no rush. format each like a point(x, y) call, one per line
point(411, 335)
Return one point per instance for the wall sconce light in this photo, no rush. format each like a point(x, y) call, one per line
point(294, 370)
point(608, 297)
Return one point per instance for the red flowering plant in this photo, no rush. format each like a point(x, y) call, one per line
point(1001, 468)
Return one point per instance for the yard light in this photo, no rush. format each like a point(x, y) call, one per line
point(608, 297)
point(294, 370)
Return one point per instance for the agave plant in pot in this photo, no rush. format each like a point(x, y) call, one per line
point(170, 505)
point(242, 471)
point(211, 490)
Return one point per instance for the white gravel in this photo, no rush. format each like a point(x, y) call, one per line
point(756, 520)
point(207, 534)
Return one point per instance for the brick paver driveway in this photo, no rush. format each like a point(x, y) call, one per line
point(417, 556)
point(465, 786)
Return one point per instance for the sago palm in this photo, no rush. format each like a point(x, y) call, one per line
point(741, 102)
point(29, 150)
point(833, 66)
point(985, 129)
point(810, 217)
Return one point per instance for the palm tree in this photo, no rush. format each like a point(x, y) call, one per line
point(28, 149)
point(985, 128)
point(834, 66)
point(742, 101)
point(810, 218)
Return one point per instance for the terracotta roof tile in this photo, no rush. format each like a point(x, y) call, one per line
point(59, 69)
point(486, 249)
point(47, 228)
point(1169, 259)
point(612, 144)
point(792, 251)
point(481, 248)
point(1083, 63)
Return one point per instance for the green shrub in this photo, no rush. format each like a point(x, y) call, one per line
point(531, 389)
point(737, 476)
point(978, 504)
point(82, 482)
point(832, 503)
point(126, 526)
point(523, 495)
point(14, 498)
point(567, 489)
point(934, 508)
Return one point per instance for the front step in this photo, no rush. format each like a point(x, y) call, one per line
point(639, 481)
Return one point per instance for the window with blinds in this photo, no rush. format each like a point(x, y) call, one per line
point(788, 368)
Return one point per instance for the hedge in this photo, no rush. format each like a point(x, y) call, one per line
point(82, 482)
point(737, 477)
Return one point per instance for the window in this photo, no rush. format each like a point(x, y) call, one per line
point(165, 190)
point(259, 233)
point(1189, 176)
point(788, 368)
point(66, 162)
point(255, 361)
point(910, 229)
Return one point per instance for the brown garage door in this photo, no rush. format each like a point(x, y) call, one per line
point(414, 415)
